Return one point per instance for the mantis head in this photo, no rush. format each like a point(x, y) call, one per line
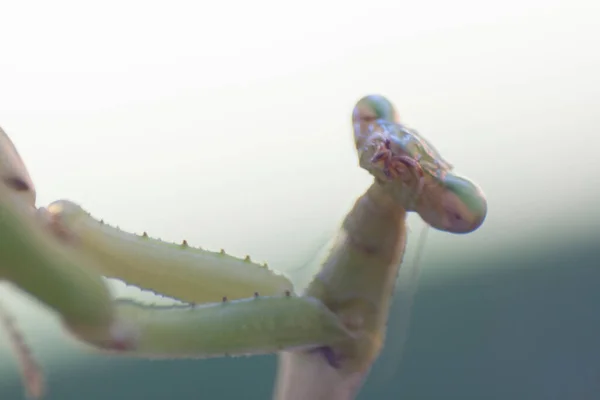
point(413, 171)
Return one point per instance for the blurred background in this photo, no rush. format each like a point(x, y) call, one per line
point(228, 124)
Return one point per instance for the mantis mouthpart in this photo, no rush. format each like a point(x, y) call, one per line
point(327, 337)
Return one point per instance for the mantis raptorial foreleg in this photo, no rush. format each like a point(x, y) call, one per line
point(29, 259)
point(58, 255)
point(175, 270)
point(259, 325)
point(36, 262)
point(194, 276)
point(254, 325)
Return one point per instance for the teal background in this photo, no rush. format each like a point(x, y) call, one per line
point(516, 324)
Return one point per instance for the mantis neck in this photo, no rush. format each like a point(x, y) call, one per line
point(357, 280)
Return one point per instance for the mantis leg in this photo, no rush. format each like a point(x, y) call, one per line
point(179, 271)
point(31, 260)
point(59, 256)
point(35, 261)
point(40, 264)
point(259, 325)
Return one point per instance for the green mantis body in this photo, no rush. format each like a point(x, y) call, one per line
point(327, 337)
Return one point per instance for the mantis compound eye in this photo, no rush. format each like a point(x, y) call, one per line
point(374, 107)
point(368, 110)
point(460, 207)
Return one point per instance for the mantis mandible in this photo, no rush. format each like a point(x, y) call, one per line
point(327, 337)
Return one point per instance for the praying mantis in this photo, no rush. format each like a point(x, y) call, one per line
point(327, 337)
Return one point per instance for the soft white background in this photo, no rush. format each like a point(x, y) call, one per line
point(228, 123)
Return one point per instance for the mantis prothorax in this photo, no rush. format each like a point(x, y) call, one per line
point(328, 337)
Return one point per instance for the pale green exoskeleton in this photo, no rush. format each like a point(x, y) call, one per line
point(328, 337)
point(357, 279)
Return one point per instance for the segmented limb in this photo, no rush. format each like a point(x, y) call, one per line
point(40, 265)
point(259, 325)
point(246, 326)
point(59, 256)
point(47, 268)
point(30, 260)
point(35, 261)
point(178, 271)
